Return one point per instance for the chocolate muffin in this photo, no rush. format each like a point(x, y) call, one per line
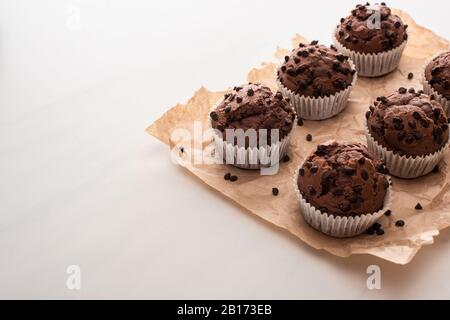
point(359, 31)
point(343, 180)
point(253, 106)
point(437, 74)
point(315, 71)
point(408, 123)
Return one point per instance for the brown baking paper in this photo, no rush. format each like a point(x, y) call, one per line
point(254, 192)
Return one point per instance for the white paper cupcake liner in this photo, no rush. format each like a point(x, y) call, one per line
point(372, 64)
point(335, 226)
point(251, 158)
point(406, 167)
point(429, 90)
point(310, 108)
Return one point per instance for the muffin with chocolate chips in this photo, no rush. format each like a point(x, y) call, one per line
point(317, 80)
point(343, 188)
point(437, 79)
point(373, 37)
point(241, 120)
point(409, 130)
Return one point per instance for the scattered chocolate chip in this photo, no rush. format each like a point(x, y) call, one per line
point(397, 120)
point(250, 92)
point(214, 116)
point(380, 232)
point(301, 172)
point(402, 90)
point(409, 139)
point(436, 169)
point(286, 158)
point(417, 115)
point(227, 176)
point(300, 122)
point(376, 226)
point(388, 213)
point(233, 178)
point(371, 231)
point(275, 191)
point(227, 109)
point(410, 75)
point(182, 149)
point(365, 175)
point(418, 206)
point(368, 113)
point(412, 90)
point(400, 223)
point(349, 171)
point(308, 164)
point(401, 135)
point(238, 99)
point(437, 114)
point(412, 124)
point(308, 137)
point(399, 125)
point(314, 169)
point(362, 160)
point(314, 42)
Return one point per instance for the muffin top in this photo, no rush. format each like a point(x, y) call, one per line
point(408, 123)
point(343, 180)
point(371, 29)
point(253, 106)
point(315, 71)
point(437, 73)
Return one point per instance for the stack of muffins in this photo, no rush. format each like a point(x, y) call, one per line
point(344, 188)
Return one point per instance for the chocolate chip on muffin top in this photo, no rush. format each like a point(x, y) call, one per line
point(253, 106)
point(408, 123)
point(371, 29)
point(315, 70)
point(437, 73)
point(343, 180)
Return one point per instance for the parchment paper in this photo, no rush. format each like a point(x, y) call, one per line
point(253, 191)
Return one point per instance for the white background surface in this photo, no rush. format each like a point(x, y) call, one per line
point(82, 184)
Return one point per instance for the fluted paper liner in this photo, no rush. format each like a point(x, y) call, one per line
point(428, 89)
point(339, 227)
point(406, 167)
point(252, 158)
point(311, 108)
point(253, 192)
point(372, 64)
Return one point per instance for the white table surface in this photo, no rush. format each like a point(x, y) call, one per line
point(82, 184)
